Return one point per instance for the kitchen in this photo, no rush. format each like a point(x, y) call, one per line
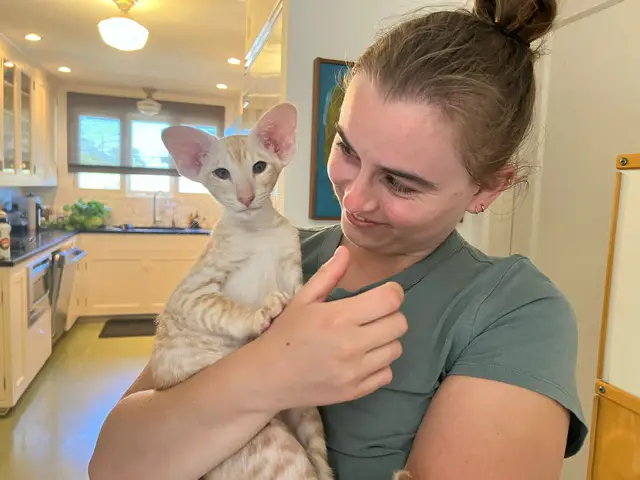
point(101, 227)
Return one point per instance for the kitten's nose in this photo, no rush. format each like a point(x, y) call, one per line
point(246, 199)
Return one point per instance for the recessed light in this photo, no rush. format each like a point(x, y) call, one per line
point(233, 61)
point(9, 64)
point(222, 86)
point(33, 37)
point(64, 69)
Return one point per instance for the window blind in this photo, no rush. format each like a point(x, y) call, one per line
point(107, 134)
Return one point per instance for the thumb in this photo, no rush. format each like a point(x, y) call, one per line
point(325, 279)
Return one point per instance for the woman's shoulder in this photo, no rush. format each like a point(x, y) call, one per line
point(317, 243)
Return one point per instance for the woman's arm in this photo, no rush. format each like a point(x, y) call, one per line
point(185, 431)
point(487, 430)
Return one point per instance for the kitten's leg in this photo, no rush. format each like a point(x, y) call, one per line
point(273, 454)
point(306, 423)
point(402, 475)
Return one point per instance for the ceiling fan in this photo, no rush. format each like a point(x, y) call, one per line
point(149, 106)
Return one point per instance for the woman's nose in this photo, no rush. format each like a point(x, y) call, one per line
point(358, 196)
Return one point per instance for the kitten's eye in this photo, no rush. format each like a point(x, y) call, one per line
point(259, 167)
point(222, 173)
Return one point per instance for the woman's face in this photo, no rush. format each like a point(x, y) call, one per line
point(397, 174)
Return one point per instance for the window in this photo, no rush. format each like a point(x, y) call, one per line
point(99, 140)
point(147, 149)
point(98, 181)
point(189, 186)
point(149, 183)
point(107, 134)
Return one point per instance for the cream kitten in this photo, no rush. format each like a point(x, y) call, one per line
point(249, 270)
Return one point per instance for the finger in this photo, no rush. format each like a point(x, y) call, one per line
point(372, 304)
point(325, 279)
point(382, 357)
point(373, 382)
point(382, 331)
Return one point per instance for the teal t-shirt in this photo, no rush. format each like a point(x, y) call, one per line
point(468, 314)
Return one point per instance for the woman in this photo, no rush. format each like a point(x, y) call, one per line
point(483, 385)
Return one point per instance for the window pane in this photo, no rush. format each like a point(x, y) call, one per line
point(189, 186)
point(99, 181)
point(99, 140)
point(210, 130)
point(149, 183)
point(147, 149)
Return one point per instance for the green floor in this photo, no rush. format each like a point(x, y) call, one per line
point(52, 431)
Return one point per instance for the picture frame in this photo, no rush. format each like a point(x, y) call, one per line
point(327, 100)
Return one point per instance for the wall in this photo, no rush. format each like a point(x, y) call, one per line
point(128, 207)
point(592, 111)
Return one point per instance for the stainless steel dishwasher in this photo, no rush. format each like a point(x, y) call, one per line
point(63, 272)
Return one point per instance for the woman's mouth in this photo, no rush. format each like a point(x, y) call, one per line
point(359, 221)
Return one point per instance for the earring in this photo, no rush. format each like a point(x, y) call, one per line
point(481, 209)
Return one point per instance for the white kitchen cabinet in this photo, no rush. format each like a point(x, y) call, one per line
point(23, 349)
point(131, 274)
point(26, 125)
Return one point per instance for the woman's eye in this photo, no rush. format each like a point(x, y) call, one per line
point(259, 167)
point(345, 149)
point(398, 187)
point(222, 173)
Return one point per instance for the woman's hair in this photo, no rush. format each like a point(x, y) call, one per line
point(476, 66)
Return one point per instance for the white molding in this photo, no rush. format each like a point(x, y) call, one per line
point(563, 22)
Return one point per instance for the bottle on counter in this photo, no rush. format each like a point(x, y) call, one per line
point(5, 237)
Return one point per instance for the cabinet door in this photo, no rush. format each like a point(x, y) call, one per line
point(38, 342)
point(8, 69)
point(18, 313)
point(115, 286)
point(3, 345)
point(78, 302)
point(164, 275)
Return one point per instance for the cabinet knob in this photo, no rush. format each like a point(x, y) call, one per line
point(41, 332)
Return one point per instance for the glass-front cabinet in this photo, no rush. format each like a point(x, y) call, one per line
point(24, 128)
point(8, 116)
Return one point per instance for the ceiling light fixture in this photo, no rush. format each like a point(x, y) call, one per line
point(222, 86)
point(122, 32)
point(9, 64)
point(233, 61)
point(149, 106)
point(33, 37)
point(64, 69)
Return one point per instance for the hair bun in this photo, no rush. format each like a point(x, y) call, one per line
point(525, 20)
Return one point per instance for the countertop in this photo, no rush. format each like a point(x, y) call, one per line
point(24, 246)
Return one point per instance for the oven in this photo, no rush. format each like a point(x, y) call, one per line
point(38, 289)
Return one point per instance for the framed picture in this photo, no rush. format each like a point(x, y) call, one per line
point(328, 95)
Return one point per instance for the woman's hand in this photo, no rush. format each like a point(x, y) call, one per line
point(321, 353)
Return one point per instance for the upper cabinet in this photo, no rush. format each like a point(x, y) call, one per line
point(27, 126)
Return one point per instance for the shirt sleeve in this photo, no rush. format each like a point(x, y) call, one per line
point(525, 333)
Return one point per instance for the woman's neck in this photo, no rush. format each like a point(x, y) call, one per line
point(368, 267)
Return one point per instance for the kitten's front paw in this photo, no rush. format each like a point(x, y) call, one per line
point(272, 307)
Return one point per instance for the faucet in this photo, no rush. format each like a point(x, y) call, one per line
point(155, 196)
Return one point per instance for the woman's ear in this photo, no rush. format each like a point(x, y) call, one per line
point(276, 131)
point(190, 148)
point(488, 193)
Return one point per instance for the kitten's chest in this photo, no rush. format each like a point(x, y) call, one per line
point(263, 272)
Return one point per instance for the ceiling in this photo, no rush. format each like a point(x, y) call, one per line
point(189, 43)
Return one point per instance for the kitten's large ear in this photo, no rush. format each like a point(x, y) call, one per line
point(276, 131)
point(189, 147)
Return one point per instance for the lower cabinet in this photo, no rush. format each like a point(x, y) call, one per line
point(24, 348)
point(130, 274)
